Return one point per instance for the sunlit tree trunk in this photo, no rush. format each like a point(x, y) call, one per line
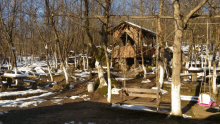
point(180, 23)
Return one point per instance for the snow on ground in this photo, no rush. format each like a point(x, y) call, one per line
point(16, 93)
point(71, 86)
point(123, 79)
point(105, 67)
point(15, 75)
point(25, 69)
point(186, 116)
point(147, 81)
point(81, 79)
point(161, 90)
point(187, 80)
point(57, 100)
point(21, 102)
point(54, 83)
point(134, 107)
point(81, 75)
point(83, 97)
point(153, 70)
point(94, 71)
point(47, 86)
point(39, 70)
point(115, 90)
point(26, 104)
point(189, 98)
point(167, 82)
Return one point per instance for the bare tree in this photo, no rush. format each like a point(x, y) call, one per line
point(50, 15)
point(180, 23)
point(8, 26)
point(106, 15)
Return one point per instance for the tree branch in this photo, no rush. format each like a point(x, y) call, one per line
point(187, 17)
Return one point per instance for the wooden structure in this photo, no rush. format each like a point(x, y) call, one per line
point(7, 80)
point(143, 93)
point(128, 39)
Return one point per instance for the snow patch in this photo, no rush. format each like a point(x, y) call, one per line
point(15, 93)
point(167, 82)
point(20, 101)
point(189, 98)
point(83, 97)
point(115, 90)
point(54, 83)
point(147, 81)
point(81, 79)
point(134, 107)
point(186, 116)
point(71, 86)
point(161, 90)
point(122, 79)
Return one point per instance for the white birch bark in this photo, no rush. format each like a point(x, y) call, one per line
point(84, 64)
point(175, 100)
point(32, 59)
point(214, 76)
point(161, 74)
point(145, 71)
point(87, 62)
point(56, 63)
point(109, 90)
point(66, 75)
point(51, 77)
point(180, 23)
point(75, 59)
point(101, 76)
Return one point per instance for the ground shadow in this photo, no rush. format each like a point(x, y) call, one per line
point(84, 112)
point(192, 103)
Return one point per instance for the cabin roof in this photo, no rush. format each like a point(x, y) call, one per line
point(134, 26)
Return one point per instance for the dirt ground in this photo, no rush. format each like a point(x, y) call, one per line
point(97, 110)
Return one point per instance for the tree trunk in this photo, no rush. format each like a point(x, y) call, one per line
point(101, 76)
point(48, 66)
point(105, 41)
point(57, 39)
point(161, 68)
point(87, 62)
point(75, 60)
point(214, 76)
point(161, 43)
point(180, 23)
point(66, 75)
point(56, 63)
point(108, 74)
point(175, 96)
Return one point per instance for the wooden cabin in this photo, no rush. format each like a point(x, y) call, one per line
point(128, 39)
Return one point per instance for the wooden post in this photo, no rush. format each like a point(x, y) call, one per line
point(194, 77)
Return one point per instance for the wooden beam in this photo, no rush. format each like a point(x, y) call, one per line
point(162, 16)
point(143, 95)
point(140, 90)
point(138, 16)
point(153, 104)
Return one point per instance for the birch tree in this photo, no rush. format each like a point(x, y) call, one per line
point(106, 15)
point(180, 22)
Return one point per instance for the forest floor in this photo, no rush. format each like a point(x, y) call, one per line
point(78, 106)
